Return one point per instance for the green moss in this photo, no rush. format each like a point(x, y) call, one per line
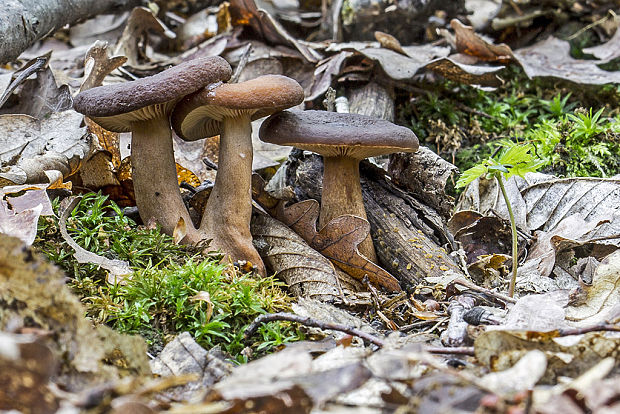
point(173, 288)
point(466, 125)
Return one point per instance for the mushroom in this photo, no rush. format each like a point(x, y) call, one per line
point(143, 108)
point(228, 110)
point(343, 139)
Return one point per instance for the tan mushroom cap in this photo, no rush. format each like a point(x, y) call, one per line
point(199, 115)
point(333, 134)
point(116, 106)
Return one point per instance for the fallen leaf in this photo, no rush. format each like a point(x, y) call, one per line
point(551, 57)
point(451, 69)
point(40, 151)
point(522, 376)
point(337, 240)
point(33, 195)
point(98, 65)
point(480, 235)
point(306, 272)
point(470, 43)
point(40, 96)
point(245, 13)
point(183, 356)
point(501, 349)
point(388, 41)
point(541, 202)
point(141, 21)
point(607, 51)
point(602, 297)
point(22, 225)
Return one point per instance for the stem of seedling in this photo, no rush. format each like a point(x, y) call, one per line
point(513, 228)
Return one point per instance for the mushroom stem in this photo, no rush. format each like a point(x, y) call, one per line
point(227, 215)
point(154, 176)
point(341, 175)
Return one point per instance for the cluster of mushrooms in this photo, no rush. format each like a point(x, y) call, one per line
point(193, 99)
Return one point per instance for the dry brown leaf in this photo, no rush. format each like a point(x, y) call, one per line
point(38, 96)
point(469, 74)
point(41, 151)
point(108, 141)
point(337, 240)
point(141, 21)
point(388, 41)
point(306, 272)
point(571, 356)
point(470, 43)
point(245, 13)
point(97, 65)
point(602, 298)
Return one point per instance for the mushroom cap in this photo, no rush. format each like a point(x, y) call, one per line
point(199, 115)
point(333, 134)
point(116, 106)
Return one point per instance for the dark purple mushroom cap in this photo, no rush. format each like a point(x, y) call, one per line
point(333, 134)
point(116, 106)
point(199, 115)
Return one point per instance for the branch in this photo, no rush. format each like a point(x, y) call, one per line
point(307, 321)
point(23, 22)
point(291, 317)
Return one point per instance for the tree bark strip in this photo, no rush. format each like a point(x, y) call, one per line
point(23, 22)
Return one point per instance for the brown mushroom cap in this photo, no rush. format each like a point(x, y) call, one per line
point(115, 106)
point(333, 134)
point(199, 115)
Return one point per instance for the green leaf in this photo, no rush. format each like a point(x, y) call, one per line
point(471, 174)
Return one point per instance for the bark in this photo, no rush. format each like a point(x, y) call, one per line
point(373, 100)
point(23, 22)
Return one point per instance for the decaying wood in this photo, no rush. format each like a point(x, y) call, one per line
point(425, 174)
point(23, 22)
point(373, 100)
point(407, 234)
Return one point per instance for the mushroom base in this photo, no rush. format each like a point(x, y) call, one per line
point(342, 194)
point(154, 175)
point(227, 215)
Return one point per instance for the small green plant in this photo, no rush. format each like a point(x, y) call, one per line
point(586, 125)
point(581, 144)
point(514, 160)
point(558, 106)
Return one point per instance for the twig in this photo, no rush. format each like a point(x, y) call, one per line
point(491, 293)
point(245, 56)
point(307, 321)
point(446, 350)
point(419, 324)
point(610, 13)
point(595, 328)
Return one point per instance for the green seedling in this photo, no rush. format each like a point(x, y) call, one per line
point(514, 160)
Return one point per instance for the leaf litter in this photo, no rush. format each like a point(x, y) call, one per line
point(554, 348)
